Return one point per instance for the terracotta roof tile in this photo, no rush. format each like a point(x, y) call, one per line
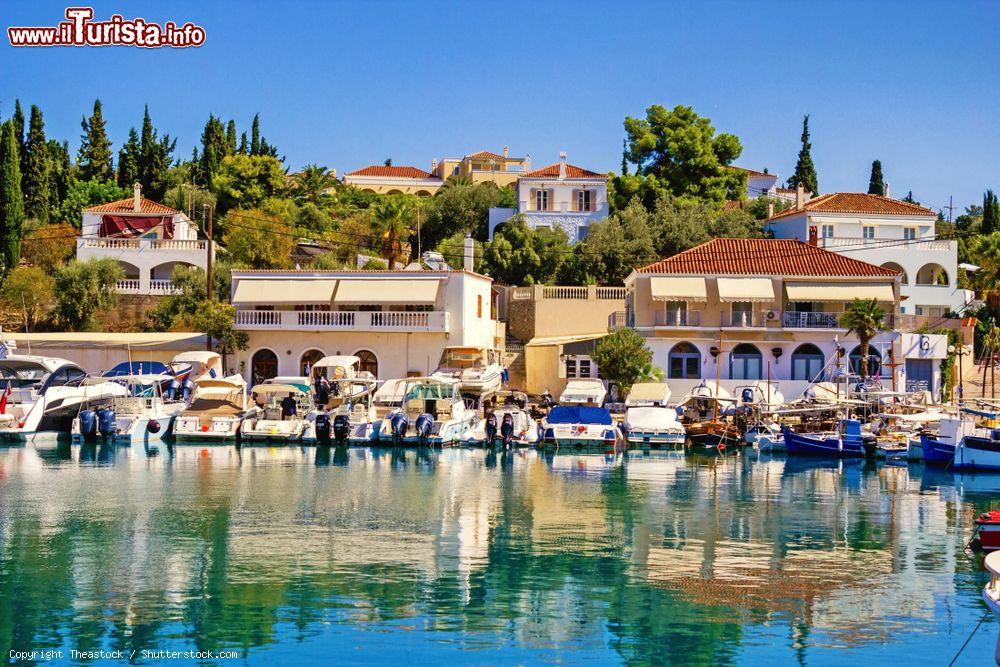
point(572, 171)
point(486, 155)
point(764, 257)
point(127, 206)
point(858, 202)
point(383, 171)
point(752, 172)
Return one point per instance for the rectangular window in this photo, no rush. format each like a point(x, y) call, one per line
point(479, 305)
point(582, 231)
point(583, 200)
point(827, 231)
point(868, 231)
point(742, 314)
point(909, 233)
point(580, 367)
point(541, 200)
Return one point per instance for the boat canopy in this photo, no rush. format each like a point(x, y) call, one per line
point(709, 389)
point(235, 382)
point(137, 369)
point(390, 392)
point(203, 357)
point(648, 393)
point(263, 389)
point(337, 360)
point(566, 414)
point(651, 418)
point(577, 391)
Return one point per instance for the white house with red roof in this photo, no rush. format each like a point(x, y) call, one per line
point(393, 180)
point(560, 195)
point(765, 184)
point(888, 232)
point(756, 309)
point(147, 238)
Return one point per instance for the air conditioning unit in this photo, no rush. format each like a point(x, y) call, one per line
point(771, 315)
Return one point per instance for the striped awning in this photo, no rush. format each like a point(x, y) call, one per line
point(746, 289)
point(839, 292)
point(678, 288)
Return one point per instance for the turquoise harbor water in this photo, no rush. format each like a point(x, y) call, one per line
point(465, 557)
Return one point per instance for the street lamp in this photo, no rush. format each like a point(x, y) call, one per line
point(960, 352)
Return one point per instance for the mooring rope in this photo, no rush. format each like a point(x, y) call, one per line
point(969, 638)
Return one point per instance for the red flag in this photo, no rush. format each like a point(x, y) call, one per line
point(3, 399)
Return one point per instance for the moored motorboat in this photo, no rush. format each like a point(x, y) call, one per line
point(653, 426)
point(586, 392)
point(579, 427)
point(477, 369)
point(142, 416)
point(847, 442)
point(344, 422)
point(278, 414)
point(988, 530)
point(991, 592)
point(432, 413)
point(338, 378)
point(215, 412)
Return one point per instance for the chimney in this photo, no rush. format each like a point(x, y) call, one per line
point(333, 173)
point(527, 162)
point(562, 164)
point(813, 236)
point(506, 151)
point(434, 165)
point(770, 208)
point(887, 188)
point(136, 196)
point(468, 256)
point(800, 197)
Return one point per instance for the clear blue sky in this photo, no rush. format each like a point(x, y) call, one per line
point(915, 84)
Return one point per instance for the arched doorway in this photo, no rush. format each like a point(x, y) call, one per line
point(684, 362)
point(746, 363)
point(932, 274)
point(807, 362)
point(874, 361)
point(308, 360)
point(369, 362)
point(893, 266)
point(263, 366)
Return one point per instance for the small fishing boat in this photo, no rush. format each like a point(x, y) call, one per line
point(988, 530)
point(590, 393)
point(705, 413)
point(847, 442)
point(432, 413)
point(215, 412)
point(477, 369)
point(278, 414)
point(579, 427)
point(939, 449)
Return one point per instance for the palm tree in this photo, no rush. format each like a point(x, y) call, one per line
point(864, 319)
point(313, 183)
point(392, 218)
point(456, 182)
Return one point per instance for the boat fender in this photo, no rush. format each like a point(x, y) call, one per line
point(88, 425)
point(153, 426)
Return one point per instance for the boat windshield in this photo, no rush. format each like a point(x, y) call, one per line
point(21, 373)
point(461, 358)
point(430, 391)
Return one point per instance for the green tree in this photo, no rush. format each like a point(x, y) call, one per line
point(18, 120)
point(231, 137)
point(49, 246)
point(313, 184)
point(83, 194)
point(28, 290)
point(247, 181)
point(519, 256)
point(805, 170)
point(94, 158)
point(614, 247)
point(60, 177)
point(84, 288)
point(154, 159)
point(243, 148)
point(876, 183)
point(255, 135)
point(453, 251)
point(460, 208)
point(991, 213)
point(35, 179)
point(215, 319)
point(864, 319)
point(624, 358)
point(177, 310)
point(985, 253)
point(213, 150)
point(257, 239)
point(685, 154)
point(392, 221)
point(11, 199)
point(128, 161)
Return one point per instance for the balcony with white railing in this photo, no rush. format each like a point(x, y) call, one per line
point(128, 286)
point(743, 320)
point(97, 242)
point(677, 318)
point(336, 320)
point(791, 319)
point(841, 243)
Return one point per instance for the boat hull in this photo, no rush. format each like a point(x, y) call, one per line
point(989, 536)
point(936, 452)
point(642, 438)
point(797, 444)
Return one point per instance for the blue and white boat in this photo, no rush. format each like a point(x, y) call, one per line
point(143, 416)
point(580, 426)
point(979, 446)
point(848, 442)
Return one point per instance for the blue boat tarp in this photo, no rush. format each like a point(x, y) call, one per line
point(137, 368)
point(566, 414)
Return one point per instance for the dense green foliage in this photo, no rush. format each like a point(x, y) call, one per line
point(11, 197)
point(84, 288)
point(991, 213)
point(28, 290)
point(624, 358)
point(876, 183)
point(35, 182)
point(863, 318)
point(94, 158)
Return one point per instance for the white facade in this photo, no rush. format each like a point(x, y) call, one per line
point(558, 196)
point(398, 322)
point(904, 242)
point(146, 251)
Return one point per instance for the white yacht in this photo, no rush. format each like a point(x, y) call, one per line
point(142, 416)
point(649, 421)
point(217, 407)
point(279, 413)
point(584, 392)
point(507, 420)
point(432, 412)
point(477, 369)
point(344, 380)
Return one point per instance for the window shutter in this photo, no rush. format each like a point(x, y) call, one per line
point(575, 203)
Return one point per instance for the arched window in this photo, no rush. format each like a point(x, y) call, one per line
point(746, 363)
point(684, 361)
point(896, 267)
point(369, 362)
point(308, 360)
point(874, 361)
point(807, 362)
point(131, 271)
point(932, 274)
point(263, 366)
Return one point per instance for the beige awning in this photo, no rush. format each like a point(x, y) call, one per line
point(387, 291)
point(678, 288)
point(284, 290)
point(839, 292)
point(746, 289)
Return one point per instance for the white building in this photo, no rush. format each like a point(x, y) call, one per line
point(392, 180)
point(147, 238)
point(559, 195)
point(776, 305)
point(764, 184)
point(397, 322)
point(887, 232)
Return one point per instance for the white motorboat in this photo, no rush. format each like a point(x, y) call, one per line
point(187, 367)
point(584, 392)
point(142, 416)
point(279, 413)
point(506, 420)
point(477, 369)
point(431, 412)
point(653, 426)
point(346, 422)
point(580, 427)
point(217, 407)
point(340, 377)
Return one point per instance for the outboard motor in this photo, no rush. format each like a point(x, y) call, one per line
point(323, 429)
point(398, 424)
point(423, 427)
point(107, 423)
point(172, 389)
point(186, 389)
point(491, 429)
point(507, 429)
point(88, 425)
point(341, 429)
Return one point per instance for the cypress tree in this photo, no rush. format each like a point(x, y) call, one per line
point(991, 213)
point(230, 137)
point(128, 161)
point(18, 120)
point(909, 197)
point(60, 176)
point(35, 179)
point(242, 150)
point(876, 184)
point(805, 170)
point(154, 159)
point(11, 199)
point(94, 158)
point(255, 135)
point(624, 157)
point(213, 149)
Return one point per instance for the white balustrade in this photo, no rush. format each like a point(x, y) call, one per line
point(334, 320)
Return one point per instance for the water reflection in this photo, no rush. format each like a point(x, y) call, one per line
point(361, 553)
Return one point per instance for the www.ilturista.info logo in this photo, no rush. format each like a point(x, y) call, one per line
point(80, 30)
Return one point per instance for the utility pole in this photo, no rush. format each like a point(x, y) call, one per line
point(950, 207)
point(208, 270)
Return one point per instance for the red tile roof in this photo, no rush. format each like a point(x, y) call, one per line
point(752, 172)
point(764, 257)
point(383, 171)
point(127, 206)
point(486, 155)
point(572, 171)
point(858, 202)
